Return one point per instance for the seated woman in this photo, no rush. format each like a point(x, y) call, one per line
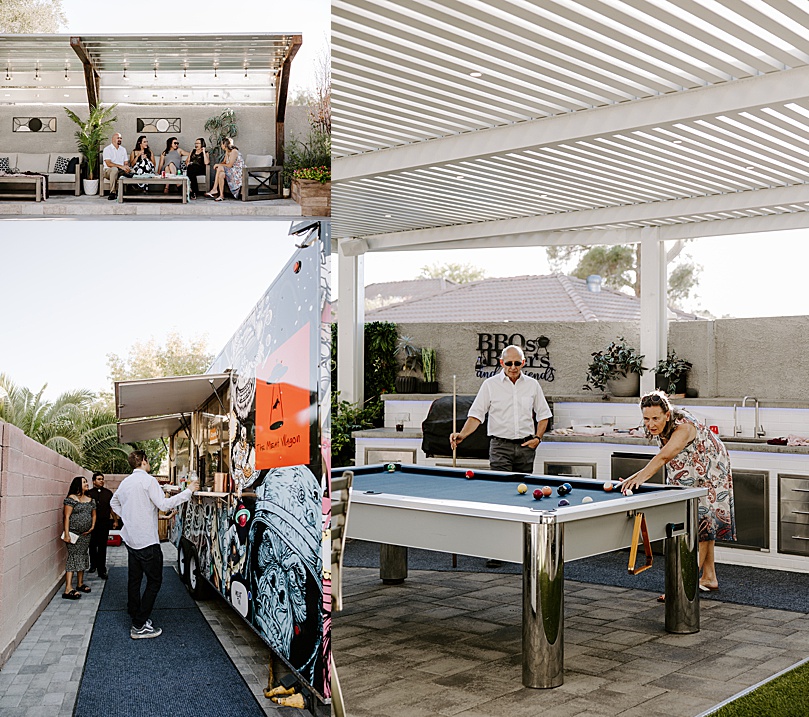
point(198, 162)
point(229, 170)
point(142, 160)
point(171, 159)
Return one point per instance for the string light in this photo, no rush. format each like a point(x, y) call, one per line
point(124, 71)
point(36, 74)
point(67, 77)
point(8, 73)
point(185, 71)
point(215, 68)
point(155, 70)
point(245, 72)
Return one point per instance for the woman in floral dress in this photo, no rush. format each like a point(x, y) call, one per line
point(694, 457)
point(80, 519)
point(229, 170)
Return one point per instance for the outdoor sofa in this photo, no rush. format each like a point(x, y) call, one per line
point(46, 164)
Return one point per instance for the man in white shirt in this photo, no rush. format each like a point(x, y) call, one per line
point(511, 400)
point(137, 502)
point(116, 161)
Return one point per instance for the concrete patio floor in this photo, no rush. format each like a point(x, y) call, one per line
point(450, 644)
point(66, 206)
point(42, 676)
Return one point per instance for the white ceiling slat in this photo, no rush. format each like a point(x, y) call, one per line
point(618, 114)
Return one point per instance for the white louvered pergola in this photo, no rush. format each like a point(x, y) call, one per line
point(550, 122)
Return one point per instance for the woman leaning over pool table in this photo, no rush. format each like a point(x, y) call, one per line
point(695, 458)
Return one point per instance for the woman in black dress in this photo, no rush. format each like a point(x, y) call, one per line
point(80, 519)
point(198, 162)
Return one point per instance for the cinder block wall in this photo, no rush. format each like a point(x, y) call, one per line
point(34, 481)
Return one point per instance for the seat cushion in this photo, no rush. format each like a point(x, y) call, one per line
point(33, 162)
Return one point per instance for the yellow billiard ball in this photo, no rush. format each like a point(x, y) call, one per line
point(522, 488)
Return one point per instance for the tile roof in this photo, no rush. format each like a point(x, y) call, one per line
point(553, 297)
point(383, 294)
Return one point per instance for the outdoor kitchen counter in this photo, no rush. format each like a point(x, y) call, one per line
point(415, 433)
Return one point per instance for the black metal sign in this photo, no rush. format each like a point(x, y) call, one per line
point(537, 358)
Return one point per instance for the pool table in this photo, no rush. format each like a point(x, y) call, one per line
point(444, 509)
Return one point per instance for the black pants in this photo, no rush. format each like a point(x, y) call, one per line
point(146, 561)
point(98, 546)
point(193, 171)
point(510, 457)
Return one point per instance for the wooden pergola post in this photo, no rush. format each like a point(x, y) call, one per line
point(281, 90)
point(91, 78)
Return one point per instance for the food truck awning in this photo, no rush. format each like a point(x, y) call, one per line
point(144, 429)
point(147, 397)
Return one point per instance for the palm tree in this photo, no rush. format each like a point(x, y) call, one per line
point(53, 424)
point(99, 442)
point(92, 133)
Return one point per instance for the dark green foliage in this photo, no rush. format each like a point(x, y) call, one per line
point(785, 696)
point(380, 378)
point(618, 360)
point(671, 369)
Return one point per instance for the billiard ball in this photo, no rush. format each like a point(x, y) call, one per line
point(608, 486)
point(628, 491)
point(569, 487)
point(564, 502)
point(587, 499)
point(522, 488)
point(547, 491)
point(563, 489)
point(390, 467)
point(538, 494)
point(470, 474)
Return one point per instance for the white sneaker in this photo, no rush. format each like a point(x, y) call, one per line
point(148, 630)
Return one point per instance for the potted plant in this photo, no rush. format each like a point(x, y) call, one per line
point(307, 171)
point(90, 136)
point(671, 374)
point(220, 127)
point(408, 383)
point(617, 370)
point(430, 384)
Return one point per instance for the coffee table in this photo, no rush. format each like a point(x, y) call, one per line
point(154, 182)
point(36, 182)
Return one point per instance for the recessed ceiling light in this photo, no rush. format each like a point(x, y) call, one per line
point(460, 176)
point(749, 169)
point(476, 73)
point(388, 216)
point(677, 141)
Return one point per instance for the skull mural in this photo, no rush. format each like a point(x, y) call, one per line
point(285, 566)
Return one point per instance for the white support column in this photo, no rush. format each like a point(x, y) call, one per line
point(653, 304)
point(350, 320)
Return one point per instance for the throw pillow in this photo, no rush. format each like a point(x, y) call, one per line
point(71, 165)
point(4, 165)
point(60, 165)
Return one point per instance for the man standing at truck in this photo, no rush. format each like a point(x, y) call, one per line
point(137, 501)
point(104, 520)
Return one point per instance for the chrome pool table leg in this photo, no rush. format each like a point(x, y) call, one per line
point(392, 564)
point(682, 576)
point(543, 582)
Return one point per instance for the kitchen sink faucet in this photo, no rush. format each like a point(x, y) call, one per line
point(758, 429)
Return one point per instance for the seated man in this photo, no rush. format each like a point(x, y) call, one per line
point(116, 161)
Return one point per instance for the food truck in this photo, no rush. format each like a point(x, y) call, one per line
point(254, 429)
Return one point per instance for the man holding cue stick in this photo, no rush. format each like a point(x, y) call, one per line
point(511, 399)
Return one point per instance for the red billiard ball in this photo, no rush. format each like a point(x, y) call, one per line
point(538, 494)
point(547, 491)
point(608, 486)
point(470, 474)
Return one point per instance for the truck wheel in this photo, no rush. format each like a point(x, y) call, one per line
point(182, 562)
point(197, 585)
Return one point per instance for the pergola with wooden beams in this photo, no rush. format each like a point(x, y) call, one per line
point(249, 68)
point(558, 122)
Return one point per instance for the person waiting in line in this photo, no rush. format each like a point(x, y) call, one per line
point(197, 166)
point(171, 159)
point(137, 501)
point(695, 458)
point(105, 519)
point(512, 400)
point(116, 162)
point(229, 172)
point(142, 159)
point(79, 521)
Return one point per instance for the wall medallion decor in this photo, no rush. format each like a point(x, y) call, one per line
point(34, 124)
point(158, 124)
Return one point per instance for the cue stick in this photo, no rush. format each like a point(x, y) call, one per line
point(454, 421)
point(455, 449)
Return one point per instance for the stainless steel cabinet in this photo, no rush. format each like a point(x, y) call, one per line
point(751, 501)
point(793, 514)
point(571, 470)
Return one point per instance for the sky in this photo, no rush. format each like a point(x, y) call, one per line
point(73, 292)
point(742, 276)
point(308, 17)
